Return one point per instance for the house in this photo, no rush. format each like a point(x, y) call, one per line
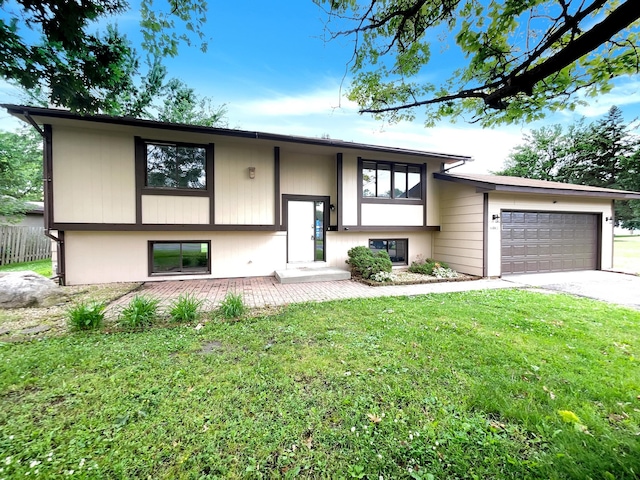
point(139, 200)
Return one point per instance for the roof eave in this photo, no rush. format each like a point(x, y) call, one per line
point(497, 187)
point(23, 111)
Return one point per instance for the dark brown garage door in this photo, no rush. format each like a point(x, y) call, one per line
point(535, 242)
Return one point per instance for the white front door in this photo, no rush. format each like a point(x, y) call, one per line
point(301, 231)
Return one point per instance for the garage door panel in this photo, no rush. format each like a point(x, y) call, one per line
point(548, 242)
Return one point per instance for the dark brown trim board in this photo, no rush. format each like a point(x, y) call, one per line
point(423, 179)
point(339, 192)
point(485, 234)
point(359, 193)
point(155, 227)
point(211, 181)
point(276, 180)
point(599, 240)
point(357, 228)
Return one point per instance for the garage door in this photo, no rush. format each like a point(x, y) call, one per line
point(534, 242)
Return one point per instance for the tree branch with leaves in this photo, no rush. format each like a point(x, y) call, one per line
point(519, 59)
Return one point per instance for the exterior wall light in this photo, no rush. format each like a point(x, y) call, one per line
point(252, 172)
point(495, 217)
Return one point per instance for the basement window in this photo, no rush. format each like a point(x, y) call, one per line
point(171, 257)
point(397, 249)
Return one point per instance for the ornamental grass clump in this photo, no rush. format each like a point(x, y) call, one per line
point(86, 316)
point(232, 306)
point(186, 308)
point(140, 312)
point(365, 263)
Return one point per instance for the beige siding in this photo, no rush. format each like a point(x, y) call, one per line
point(350, 190)
point(93, 176)
point(102, 257)
point(545, 203)
point(339, 243)
point(309, 174)
point(240, 200)
point(386, 214)
point(460, 240)
point(175, 210)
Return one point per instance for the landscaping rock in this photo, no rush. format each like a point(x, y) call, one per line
point(4, 331)
point(36, 329)
point(27, 289)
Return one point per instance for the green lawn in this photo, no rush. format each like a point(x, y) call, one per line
point(43, 267)
point(626, 254)
point(467, 385)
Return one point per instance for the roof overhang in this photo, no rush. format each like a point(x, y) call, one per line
point(551, 189)
point(39, 115)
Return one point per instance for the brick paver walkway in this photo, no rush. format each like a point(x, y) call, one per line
point(267, 291)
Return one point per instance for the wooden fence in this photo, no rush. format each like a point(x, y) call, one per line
point(23, 244)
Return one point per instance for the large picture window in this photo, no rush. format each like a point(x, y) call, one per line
point(167, 258)
point(396, 248)
point(175, 166)
point(391, 180)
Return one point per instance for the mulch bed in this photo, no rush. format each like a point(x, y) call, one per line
point(408, 278)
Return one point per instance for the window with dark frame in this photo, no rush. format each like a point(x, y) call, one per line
point(397, 248)
point(391, 180)
point(175, 166)
point(168, 258)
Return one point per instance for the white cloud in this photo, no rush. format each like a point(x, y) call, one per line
point(315, 114)
point(626, 93)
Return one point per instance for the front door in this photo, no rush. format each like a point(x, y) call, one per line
point(301, 231)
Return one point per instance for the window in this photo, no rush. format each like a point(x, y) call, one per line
point(168, 258)
point(391, 180)
point(396, 248)
point(175, 166)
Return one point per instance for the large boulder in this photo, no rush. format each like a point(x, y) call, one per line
point(27, 289)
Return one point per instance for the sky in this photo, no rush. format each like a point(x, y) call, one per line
point(270, 65)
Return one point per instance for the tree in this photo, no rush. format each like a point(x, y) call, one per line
point(52, 45)
point(602, 154)
point(20, 171)
point(182, 105)
point(521, 57)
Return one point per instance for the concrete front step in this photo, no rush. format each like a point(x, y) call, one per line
point(308, 274)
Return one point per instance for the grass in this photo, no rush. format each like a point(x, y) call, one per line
point(488, 384)
point(43, 267)
point(626, 256)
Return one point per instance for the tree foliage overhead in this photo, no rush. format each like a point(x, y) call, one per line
point(519, 57)
point(605, 154)
point(55, 46)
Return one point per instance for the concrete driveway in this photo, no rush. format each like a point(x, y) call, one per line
point(611, 287)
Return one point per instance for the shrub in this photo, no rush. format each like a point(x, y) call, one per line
point(185, 308)
point(232, 306)
point(140, 312)
point(86, 316)
point(427, 266)
point(365, 264)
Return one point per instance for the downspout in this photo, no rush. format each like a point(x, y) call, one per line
point(48, 195)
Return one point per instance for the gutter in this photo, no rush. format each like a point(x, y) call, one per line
point(48, 195)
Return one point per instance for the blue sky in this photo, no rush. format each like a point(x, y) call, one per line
point(268, 62)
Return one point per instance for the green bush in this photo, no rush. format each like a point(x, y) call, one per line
point(86, 316)
point(140, 312)
point(426, 266)
point(232, 306)
point(186, 308)
point(364, 263)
